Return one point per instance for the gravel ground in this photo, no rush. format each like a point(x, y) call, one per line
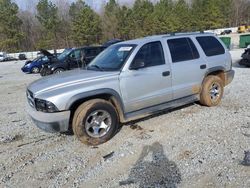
point(193, 146)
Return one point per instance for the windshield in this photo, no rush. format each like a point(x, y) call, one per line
point(113, 58)
point(64, 54)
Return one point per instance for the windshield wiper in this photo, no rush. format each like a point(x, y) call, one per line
point(96, 66)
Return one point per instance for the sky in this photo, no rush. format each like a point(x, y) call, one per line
point(95, 4)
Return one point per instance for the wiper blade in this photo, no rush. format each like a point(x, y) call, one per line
point(96, 66)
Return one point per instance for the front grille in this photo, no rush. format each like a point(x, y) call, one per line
point(30, 98)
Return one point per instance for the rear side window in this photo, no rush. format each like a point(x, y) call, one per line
point(182, 49)
point(92, 52)
point(151, 54)
point(210, 45)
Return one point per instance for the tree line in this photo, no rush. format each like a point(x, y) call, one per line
point(61, 25)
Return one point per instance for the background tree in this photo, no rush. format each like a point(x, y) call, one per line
point(64, 31)
point(110, 20)
point(47, 15)
point(10, 23)
point(86, 23)
point(163, 17)
point(62, 24)
point(182, 15)
point(142, 23)
point(31, 29)
point(124, 23)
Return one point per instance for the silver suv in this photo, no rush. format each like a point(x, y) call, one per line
point(130, 80)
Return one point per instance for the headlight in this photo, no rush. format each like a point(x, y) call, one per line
point(45, 106)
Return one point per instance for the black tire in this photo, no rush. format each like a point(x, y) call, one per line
point(42, 72)
point(82, 122)
point(35, 70)
point(212, 91)
point(243, 62)
point(58, 71)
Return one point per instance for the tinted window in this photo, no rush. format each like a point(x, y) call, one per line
point(92, 52)
point(151, 54)
point(76, 54)
point(182, 49)
point(45, 58)
point(210, 45)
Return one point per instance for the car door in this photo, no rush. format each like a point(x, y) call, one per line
point(188, 68)
point(75, 59)
point(149, 85)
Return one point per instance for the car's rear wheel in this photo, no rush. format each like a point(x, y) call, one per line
point(58, 71)
point(35, 70)
point(95, 122)
point(212, 91)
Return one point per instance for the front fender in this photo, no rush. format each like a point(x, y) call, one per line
point(94, 93)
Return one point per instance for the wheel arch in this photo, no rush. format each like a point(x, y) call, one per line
point(216, 71)
point(106, 94)
point(55, 68)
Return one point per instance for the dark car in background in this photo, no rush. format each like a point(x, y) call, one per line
point(35, 65)
point(226, 32)
point(22, 57)
point(111, 42)
point(245, 61)
point(70, 59)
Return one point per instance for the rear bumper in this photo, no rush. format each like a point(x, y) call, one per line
point(50, 122)
point(229, 76)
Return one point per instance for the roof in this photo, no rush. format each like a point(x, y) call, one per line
point(159, 37)
point(88, 47)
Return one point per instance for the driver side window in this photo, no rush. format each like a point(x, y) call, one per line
point(75, 55)
point(151, 54)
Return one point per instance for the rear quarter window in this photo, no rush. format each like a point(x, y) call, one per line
point(210, 45)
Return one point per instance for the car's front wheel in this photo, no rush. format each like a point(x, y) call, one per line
point(212, 91)
point(95, 122)
point(35, 70)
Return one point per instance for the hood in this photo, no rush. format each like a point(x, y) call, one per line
point(65, 79)
point(46, 53)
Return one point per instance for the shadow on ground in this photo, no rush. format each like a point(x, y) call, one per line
point(154, 169)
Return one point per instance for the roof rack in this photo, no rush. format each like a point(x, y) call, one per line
point(183, 33)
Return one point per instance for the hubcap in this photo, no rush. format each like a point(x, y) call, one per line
point(35, 70)
point(98, 123)
point(215, 91)
point(58, 71)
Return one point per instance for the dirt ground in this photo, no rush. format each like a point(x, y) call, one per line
point(193, 146)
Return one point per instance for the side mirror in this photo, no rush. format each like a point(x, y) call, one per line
point(138, 64)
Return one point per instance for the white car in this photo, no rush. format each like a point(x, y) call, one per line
point(2, 55)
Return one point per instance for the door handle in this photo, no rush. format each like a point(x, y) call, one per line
point(166, 73)
point(203, 66)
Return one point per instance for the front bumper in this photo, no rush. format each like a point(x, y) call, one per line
point(50, 122)
point(229, 76)
point(25, 69)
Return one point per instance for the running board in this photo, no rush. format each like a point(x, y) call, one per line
point(158, 108)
